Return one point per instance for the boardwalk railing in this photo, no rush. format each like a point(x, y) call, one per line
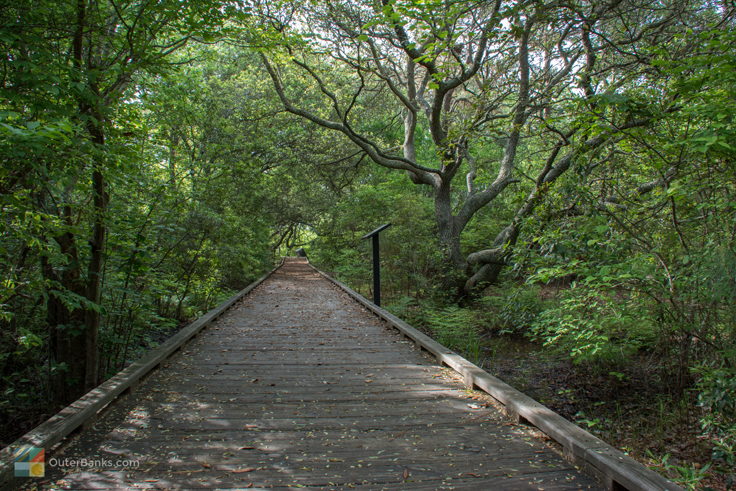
point(616, 470)
point(83, 411)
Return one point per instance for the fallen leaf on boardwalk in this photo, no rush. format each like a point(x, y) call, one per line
point(250, 427)
point(206, 465)
point(471, 474)
point(242, 471)
point(406, 474)
point(247, 447)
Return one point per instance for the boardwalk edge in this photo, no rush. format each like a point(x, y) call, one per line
point(616, 470)
point(85, 409)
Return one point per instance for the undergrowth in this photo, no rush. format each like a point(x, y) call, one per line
point(588, 356)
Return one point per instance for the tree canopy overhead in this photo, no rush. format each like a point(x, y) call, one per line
point(563, 170)
point(489, 94)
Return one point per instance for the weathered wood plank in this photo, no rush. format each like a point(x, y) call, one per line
point(118, 481)
point(617, 470)
point(338, 400)
point(73, 416)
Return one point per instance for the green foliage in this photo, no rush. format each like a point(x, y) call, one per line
point(717, 398)
point(593, 325)
point(181, 230)
point(687, 475)
point(455, 327)
point(707, 80)
point(409, 253)
point(631, 252)
point(512, 308)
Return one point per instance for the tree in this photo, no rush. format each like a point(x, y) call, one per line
point(68, 70)
point(488, 93)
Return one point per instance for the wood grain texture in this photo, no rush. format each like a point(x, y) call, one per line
point(297, 385)
point(615, 469)
point(85, 409)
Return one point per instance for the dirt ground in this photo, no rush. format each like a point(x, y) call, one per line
point(629, 409)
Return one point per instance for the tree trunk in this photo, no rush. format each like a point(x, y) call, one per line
point(74, 330)
point(447, 228)
point(67, 340)
point(94, 270)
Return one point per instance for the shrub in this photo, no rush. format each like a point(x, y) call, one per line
point(717, 398)
point(591, 324)
point(512, 308)
point(455, 327)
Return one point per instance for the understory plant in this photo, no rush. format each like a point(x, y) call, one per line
point(591, 324)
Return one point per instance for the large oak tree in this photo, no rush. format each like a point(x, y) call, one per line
point(493, 97)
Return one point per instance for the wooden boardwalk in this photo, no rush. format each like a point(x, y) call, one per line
point(297, 385)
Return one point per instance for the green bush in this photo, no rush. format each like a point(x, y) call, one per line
point(455, 327)
point(512, 308)
point(593, 325)
point(717, 398)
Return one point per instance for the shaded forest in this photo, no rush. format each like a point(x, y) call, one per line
point(560, 177)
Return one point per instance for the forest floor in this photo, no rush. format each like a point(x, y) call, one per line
point(627, 408)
